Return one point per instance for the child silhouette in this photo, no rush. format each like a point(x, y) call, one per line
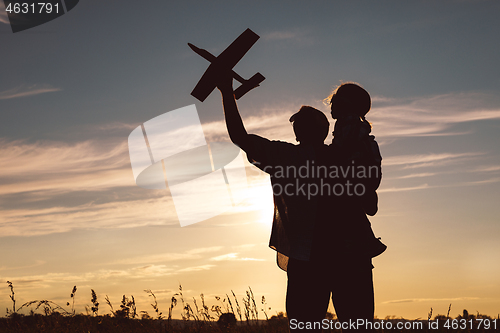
point(349, 105)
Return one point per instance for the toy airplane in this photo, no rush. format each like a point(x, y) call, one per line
point(227, 59)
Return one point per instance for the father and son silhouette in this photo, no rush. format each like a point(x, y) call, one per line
point(322, 193)
point(322, 196)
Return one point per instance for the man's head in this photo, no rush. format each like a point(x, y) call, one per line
point(349, 99)
point(310, 125)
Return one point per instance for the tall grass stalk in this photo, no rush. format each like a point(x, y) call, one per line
point(238, 308)
point(73, 292)
point(95, 304)
point(12, 297)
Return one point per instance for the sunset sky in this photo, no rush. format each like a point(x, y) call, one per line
point(72, 90)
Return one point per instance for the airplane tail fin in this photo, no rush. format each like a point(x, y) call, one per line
point(248, 85)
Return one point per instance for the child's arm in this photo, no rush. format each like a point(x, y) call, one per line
point(370, 199)
point(370, 203)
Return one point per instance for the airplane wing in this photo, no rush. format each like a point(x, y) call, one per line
point(234, 52)
point(206, 85)
point(228, 59)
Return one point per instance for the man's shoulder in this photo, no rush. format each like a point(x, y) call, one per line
point(276, 146)
point(258, 138)
point(265, 152)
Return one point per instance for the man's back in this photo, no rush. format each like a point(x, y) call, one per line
point(296, 192)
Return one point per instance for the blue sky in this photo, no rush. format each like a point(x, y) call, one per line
point(74, 88)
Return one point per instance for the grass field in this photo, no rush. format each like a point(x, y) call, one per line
point(232, 315)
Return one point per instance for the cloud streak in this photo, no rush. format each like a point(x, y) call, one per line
point(412, 300)
point(36, 176)
point(234, 256)
point(3, 17)
point(3, 14)
point(27, 91)
point(425, 160)
point(298, 37)
point(61, 167)
point(283, 35)
point(431, 115)
point(36, 264)
point(164, 257)
point(137, 272)
point(403, 189)
point(485, 181)
point(418, 175)
point(196, 268)
point(115, 214)
point(53, 187)
point(492, 168)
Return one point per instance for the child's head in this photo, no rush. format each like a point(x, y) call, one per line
point(349, 99)
point(310, 125)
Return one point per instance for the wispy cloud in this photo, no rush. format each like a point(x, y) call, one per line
point(192, 254)
point(3, 17)
point(484, 181)
point(114, 126)
point(137, 272)
point(418, 175)
point(155, 258)
point(36, 264)
point(196, 268)
point(51, 187)
point(57, 166)
point(228, 256)
point(201, 250)
point(282, 35)
point(432, 115)
point(491, 168)
point(402, 189)
point(233, 257)
point(427, 186)
point(425, 160)
point(251, 259)
point(115, 214)
point(27, 91)
point(412, 300)
point(3, 14)
point(245, 247)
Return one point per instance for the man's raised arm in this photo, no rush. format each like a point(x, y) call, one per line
point(237, 132)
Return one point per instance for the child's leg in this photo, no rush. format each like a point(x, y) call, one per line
point(352, 295)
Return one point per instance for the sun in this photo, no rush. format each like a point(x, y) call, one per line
point(261, 198)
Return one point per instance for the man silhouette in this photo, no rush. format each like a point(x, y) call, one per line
point(318, 236)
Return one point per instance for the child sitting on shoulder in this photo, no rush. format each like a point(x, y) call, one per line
point(349, 105)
